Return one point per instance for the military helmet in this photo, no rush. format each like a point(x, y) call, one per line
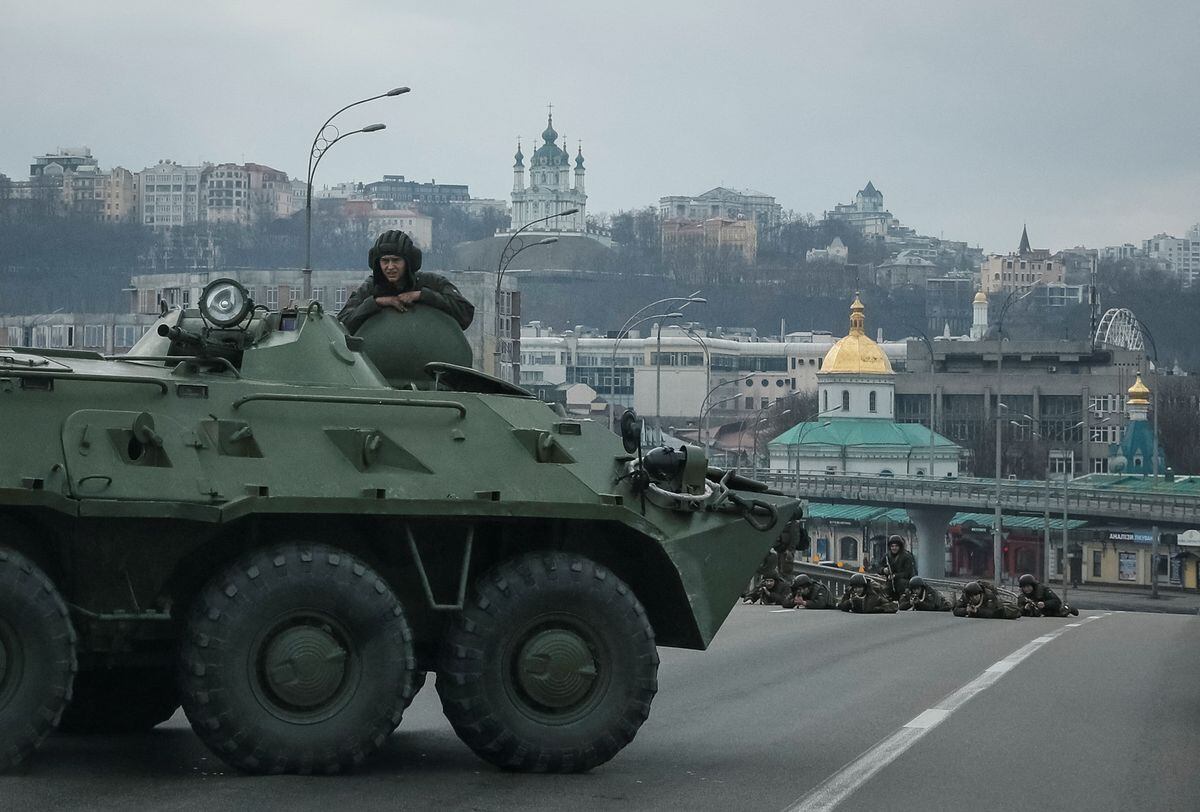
point(397, 244)
point(801, 582)
point(916, 582)
point(858, 579)
point(1027, 580)
point(973, 588)
point(896, 540)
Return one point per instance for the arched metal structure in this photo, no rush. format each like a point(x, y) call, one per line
point(1118, 327)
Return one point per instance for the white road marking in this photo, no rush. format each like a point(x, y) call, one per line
point(842, 784)
point(1074, 625)
point(777, 611)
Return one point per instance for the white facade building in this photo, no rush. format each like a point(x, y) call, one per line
point(1180, 257)
point(549, 190)
point(168, 194)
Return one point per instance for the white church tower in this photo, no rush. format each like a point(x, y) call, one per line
point(549, 190)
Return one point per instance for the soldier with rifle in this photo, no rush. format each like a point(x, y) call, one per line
point(1039, 600)
point(810, 594)
point(923, 598)
point(865, 597)
point(981, 600)
point(898, 566)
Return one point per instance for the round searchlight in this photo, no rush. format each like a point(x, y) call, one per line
point(225, 303)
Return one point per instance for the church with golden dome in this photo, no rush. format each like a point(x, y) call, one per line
point(854, 431)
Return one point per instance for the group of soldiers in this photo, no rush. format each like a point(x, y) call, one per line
point(901, 590)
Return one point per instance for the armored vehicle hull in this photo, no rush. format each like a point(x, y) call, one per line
point(251, 522)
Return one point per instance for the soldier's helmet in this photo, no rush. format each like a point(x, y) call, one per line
point(1027, 580)
point(973, 588)
point(802, 582)
point(858, 579)
point(897, 540)
point(916, 582)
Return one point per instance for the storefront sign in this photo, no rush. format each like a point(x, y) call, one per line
point(1131, 536)
point(1189, 538)
point(1127, 567)
point(1176, 575)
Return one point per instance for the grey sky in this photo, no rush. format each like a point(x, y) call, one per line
point(1080, 118)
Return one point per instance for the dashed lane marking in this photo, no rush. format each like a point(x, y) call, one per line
point(842, 784)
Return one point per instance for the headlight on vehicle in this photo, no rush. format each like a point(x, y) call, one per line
point(225, 303)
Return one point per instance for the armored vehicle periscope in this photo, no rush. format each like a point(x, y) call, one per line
point(243, 516)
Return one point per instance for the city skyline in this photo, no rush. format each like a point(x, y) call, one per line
point(971, 121)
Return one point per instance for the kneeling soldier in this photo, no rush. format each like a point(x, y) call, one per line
point(923, 598)
point(809, 594)
point(980, 599)
point(1039, 600)
point(865, 597)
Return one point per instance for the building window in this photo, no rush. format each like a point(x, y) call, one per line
point(825, 401)
point(1100, 465)
point(749, 403)
point(871, 401)
point(93, 335)
point(849, 548)
point(1097, 558)
point(845, 401)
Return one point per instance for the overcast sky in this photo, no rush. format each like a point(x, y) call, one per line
point(1080, 118)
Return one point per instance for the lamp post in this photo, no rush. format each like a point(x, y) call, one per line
point(929, 348)
point(757, 426)
point(997, 532)
point(706, 410)
point(507, 261)
point(683, 302)
point(506, 256)
point(1154, 458)
point(612, 365)
point(321, 144)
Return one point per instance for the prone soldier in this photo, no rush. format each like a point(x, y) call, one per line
point(980, 599)
point(772, 590)
point(810, 594)
point(923, 598)
point(865, 597)
point(1039, 600)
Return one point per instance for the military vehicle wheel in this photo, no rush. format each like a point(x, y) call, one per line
point(552, 667)
point(298, 660)
point(121, 700)
point(37, 657)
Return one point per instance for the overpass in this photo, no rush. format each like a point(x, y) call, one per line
point(1172, 502)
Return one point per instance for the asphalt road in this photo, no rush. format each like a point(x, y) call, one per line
point(1100, 715)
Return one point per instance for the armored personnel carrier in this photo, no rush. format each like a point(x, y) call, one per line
point(246, 517)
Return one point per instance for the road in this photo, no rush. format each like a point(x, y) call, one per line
point(1092, 713)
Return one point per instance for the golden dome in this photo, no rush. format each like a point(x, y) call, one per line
point(980, 298)
point(1139, 393)
point(856, 353)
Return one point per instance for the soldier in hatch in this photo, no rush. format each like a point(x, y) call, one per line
point(810, 594)
point(397, 282)
point(980, 599)
point(1039, 600)
point(898, 566)
point(923, 598)
point(865, 597)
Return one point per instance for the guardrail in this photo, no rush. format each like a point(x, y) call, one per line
point(980, 496)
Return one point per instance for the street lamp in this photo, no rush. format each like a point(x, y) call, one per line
point(507, 261)
point(325, 138)
point(1154, 461)
point(705, 411)
point(612, 386)
point(757, 426)
point(999, 518)
point(929, 349)
point(682, 301)
point(506, 256)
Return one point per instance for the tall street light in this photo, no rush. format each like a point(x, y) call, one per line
point(506, 261)
point(612, 364)
point(929, 348)
point(706, 410)
point(1154, 461)
point(326, 137)
point(506, 256)
point(997, 532)
point(682, 301)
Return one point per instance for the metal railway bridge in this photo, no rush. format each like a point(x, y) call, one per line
point(1171, 502)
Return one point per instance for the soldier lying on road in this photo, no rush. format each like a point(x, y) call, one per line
point(865, 597)
point(809, 594)
point(771, 591)
point(980, 599)
point(923, 598)
point(1039, 600)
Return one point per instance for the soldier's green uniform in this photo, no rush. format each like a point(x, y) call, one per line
point(898, 566)
point(923, 598)
point(436, 291)
point(865, 598)
point(980, 599)
point(810, 594)
point(1039, 600)
point(771, 591)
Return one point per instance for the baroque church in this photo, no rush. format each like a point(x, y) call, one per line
point(549, 191)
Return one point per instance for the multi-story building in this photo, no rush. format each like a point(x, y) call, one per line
point(673, 373)
point(1023, 269)
point(60, 161)
point(1118, 252)
point(948, 301)
point(836, 252)
point(866, 213)
point(907, 268)
point(1180, 257)
point(395, 192)
point(715, 234)
point(107, 333)
point(549, 190)
point(247, 193)
point(169, 195)
point(418, 226)
point(724, 204)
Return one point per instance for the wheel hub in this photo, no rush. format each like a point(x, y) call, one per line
point(556, 669)
point(304, 666)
